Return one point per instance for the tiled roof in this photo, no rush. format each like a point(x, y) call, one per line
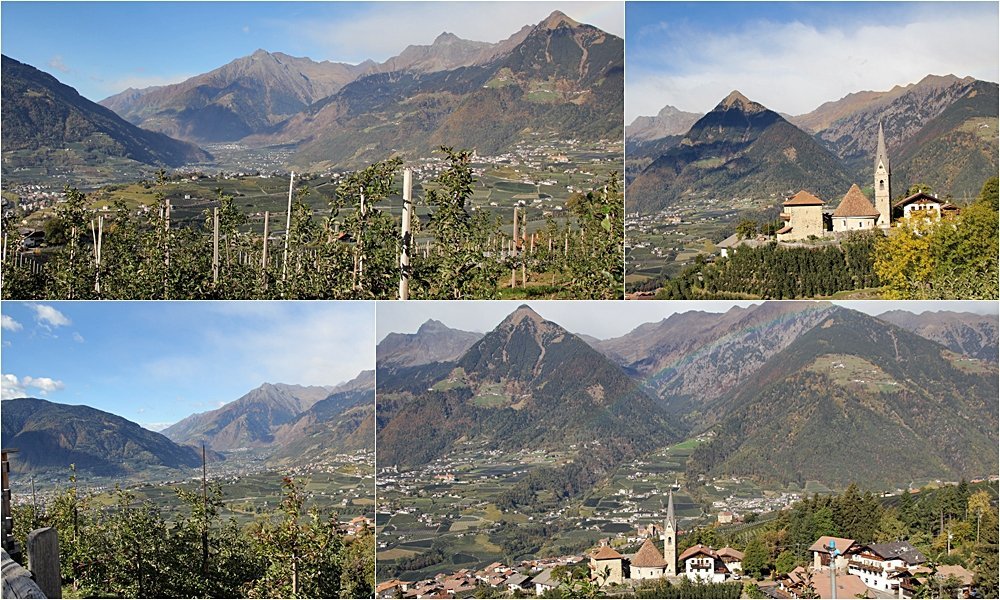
point(916, 197)
point(855, 204)
point(695, 550)
point(648, 556)
point(605, 553)
point(903, 550)
point(823, 543)
point(730, 552)
point(803, 198)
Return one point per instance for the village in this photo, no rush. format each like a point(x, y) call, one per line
point(839, 568)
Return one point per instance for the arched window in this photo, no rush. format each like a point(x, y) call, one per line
point(881, 184)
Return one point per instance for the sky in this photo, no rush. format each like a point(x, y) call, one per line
point(157, 362)
point(793, 56)
point(102, 48)
point(605, 319)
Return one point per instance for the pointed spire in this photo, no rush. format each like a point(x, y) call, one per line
point(671, 521)
point(880, 154)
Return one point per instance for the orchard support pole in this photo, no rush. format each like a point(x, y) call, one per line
point(407, 236)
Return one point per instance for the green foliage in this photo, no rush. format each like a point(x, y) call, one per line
point(459, 265)
point(946, 259)
point(776, 272)
point(686, 588)
point(756, 560)
point(596, 268)
point(128, 550)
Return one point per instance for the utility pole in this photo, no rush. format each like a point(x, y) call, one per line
point(833, 568)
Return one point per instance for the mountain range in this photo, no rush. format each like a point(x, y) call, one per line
point(276, 415)
point(767, 384)
point(294, 424)
point(940, 131)
point(558, 76)
point(528, 383)
point(46, 122)
point(49, 435)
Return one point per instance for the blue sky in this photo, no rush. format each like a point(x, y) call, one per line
point(604, 319)
point(102, 48)
point(793, 56)
point(157, 362)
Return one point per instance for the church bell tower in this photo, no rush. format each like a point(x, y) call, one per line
point(883, 195)
point(670, 538)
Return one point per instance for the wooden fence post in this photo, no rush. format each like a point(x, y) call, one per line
point(43, 561)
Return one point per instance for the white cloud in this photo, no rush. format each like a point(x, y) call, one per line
point(78, 338)
point(8, 323)
point(46, 385)
point(794, 67)
point(155, 426)
point(10, 387)
point(48, 317)
point(383, 29)
point(13, 387)
point(57, 63)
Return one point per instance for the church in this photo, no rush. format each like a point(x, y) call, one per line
point(804, 216)
point(697, 563)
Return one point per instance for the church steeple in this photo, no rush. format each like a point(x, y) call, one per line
point(883, 193)
point(670, 537)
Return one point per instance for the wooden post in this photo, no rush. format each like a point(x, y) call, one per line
point(215, 246)
point(9, 542)
point(166, 248)
point(288, 225)
point(515, 231)
point(43, 561)
point(407, 236)
point(359, 247)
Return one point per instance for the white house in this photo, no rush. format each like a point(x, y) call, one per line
point(879, 564)
point(701, 563)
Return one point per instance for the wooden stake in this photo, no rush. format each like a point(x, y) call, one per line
point(288, 225)
point(515, 231)
point(215, 246)
point(263, 251)
point(407, 236)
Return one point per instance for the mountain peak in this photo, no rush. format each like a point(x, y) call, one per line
point(738, 101)
point(556, 19)
point(446, 38)
point(524, 312)
point(260, 52)
point(431, 325)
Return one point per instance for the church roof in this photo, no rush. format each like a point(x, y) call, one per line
point(803, 198)
point(855, 204)
point(880, 154)
point(605, 553)
point(648, 556)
